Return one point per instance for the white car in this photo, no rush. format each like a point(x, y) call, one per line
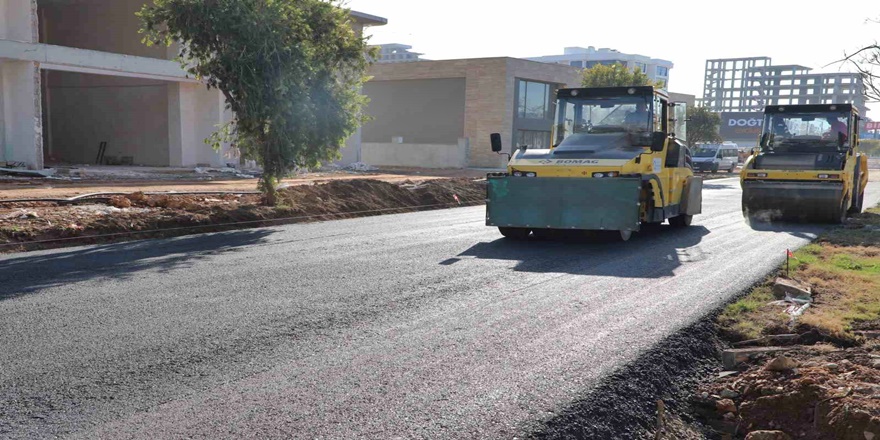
point(712, 158)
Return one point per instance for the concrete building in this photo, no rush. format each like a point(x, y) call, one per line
point(440, 113)
point(586, 57)
point(397, 53)
point(74, 73)
point(690, 100)
point(750, 84)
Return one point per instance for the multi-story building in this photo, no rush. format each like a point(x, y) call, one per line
point(75, 74)
point(397, 53)
point(750, 84)
point(656, 69)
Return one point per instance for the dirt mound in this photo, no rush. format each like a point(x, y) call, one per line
point(39, 225)
point(357, 196)
point(830, 394)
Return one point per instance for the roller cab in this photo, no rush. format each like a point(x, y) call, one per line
point(809, 167)
point(618, 162)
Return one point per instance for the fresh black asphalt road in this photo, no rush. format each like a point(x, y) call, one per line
point(424, 325)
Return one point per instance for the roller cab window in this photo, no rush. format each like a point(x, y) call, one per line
point(807, 132)
point(603, 123)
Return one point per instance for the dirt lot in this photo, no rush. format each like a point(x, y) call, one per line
point(133, 179)
point(36, 225)
point(821, 379)
point(830, 393)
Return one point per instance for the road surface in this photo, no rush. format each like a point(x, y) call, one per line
point(424, 325)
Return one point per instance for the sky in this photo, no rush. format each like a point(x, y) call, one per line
point(684, 32)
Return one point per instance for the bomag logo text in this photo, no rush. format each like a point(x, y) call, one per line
point(569, 162)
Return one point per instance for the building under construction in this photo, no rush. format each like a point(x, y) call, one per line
point(750, 84)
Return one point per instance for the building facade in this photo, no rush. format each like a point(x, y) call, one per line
point(586, 57)
point(75, 74)
point(440, 114)
point(750, 84)
point(397, 53)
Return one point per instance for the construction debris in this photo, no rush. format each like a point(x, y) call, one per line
point(360, 166)
point(21, 172)
point(731, 358)
point(783, 288)
point(781, 363)
point(813, 392)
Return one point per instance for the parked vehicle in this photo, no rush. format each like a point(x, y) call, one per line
point(716, 157)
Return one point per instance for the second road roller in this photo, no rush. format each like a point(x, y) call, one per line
point(809, 166)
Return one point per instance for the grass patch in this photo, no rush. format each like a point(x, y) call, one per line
point(843, 267)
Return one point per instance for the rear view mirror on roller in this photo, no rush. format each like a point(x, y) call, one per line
point(658, 141)
point(495, 139)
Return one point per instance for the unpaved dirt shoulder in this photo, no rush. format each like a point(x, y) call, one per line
point(40, 225)
point(804, 356)
point(625, 405)
point(826, 386)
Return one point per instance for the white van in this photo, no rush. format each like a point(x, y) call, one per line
point(716, 157)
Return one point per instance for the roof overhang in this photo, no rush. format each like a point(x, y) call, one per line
point(609, 92)
point(369, 20)
point(809, 108)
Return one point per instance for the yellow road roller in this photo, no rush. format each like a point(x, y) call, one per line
point(808, 168)
point(615, 161)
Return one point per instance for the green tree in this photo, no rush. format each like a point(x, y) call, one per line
point(702, 126)
point(291, 71)
point(617, 75)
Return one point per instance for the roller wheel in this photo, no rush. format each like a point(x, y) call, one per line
point(840, 216)
point(611, 236)
point(857, 205)
point(515, 233)
point(681, 221)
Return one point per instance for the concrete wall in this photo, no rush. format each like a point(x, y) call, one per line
point(18, 20)
point(102, 25)
point(417, 155)
point(20, 109)
point(489, 94)
point(129, 114)
point(20, 118)
point(690, 100)
point(194, 114)
point(422, 111)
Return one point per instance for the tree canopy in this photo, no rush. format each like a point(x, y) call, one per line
point(290, 70)
point(617, 75)
point(702, 126)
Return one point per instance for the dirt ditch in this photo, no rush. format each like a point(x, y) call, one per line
point(824, 392)
point(41, 225)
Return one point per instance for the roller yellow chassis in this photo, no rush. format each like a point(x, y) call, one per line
point(845, 175)
point(673, 179)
